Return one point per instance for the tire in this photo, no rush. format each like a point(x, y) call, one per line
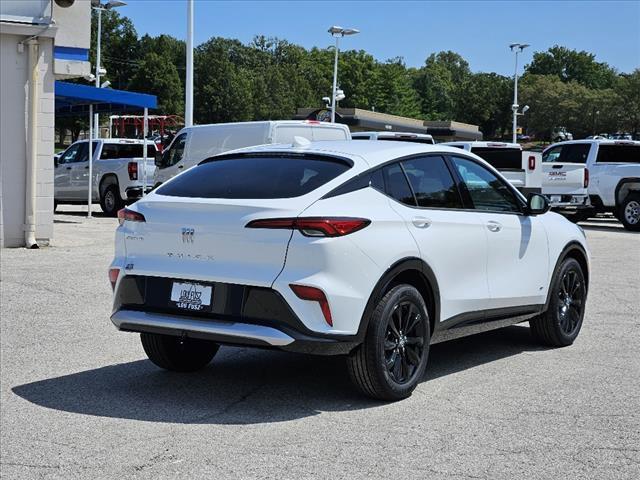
point(178, 354)
point(391, 361)
point(560, 325)
point(629, 212)
point(110, 201)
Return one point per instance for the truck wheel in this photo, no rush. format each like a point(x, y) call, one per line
point(110, 201)
point(178, 354)
point(393, 356)
point(560, 324)
point(629, 212)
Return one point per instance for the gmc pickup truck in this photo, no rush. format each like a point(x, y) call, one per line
point(585, 177)
point(118, 173)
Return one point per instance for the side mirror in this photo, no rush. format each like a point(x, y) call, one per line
point(158, 159)
point(537, 204)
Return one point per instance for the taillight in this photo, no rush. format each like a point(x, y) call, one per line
point(532, 162)
point(314, 226)
point(130, 216)
point(586, 178)
point(315, 295)
point(133, 170)
point(114, 273)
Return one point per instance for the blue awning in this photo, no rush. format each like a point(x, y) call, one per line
point(74, 99)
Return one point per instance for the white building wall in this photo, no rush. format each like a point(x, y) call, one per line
point(14, 102)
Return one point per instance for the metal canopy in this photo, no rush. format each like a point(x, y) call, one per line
point(74, 99)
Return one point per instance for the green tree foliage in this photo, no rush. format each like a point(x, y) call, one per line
point(158, 77)
point(573, 66)
point(270, 78)
point(119, 47)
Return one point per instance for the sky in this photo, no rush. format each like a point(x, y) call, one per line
point(478, 30)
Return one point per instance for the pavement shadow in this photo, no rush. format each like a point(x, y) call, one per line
point(76, 213)
point(246, 386)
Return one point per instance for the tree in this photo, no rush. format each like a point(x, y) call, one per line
point(119, 44)
point(629, 101)
point(571, 65)
point(484, 99)
point(158, 77)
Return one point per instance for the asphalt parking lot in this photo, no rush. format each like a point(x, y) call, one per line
point(80, 400)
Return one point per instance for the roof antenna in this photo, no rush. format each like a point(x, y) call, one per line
point(300, 142)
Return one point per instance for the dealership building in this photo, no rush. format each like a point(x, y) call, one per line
point(360, 120)
point(41, 41)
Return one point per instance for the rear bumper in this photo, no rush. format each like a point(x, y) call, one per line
point(134, 193)
point(569, 202)
point(242, 315)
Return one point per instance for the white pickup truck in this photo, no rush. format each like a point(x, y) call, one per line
point(586, 177)
point(521, 168)
point(118, 173)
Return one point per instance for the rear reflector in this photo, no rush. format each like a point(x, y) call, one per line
point(132, 167)
point(315, 295)
point(314, 226)
point(130, 216)
point(114, 273)
point(532, 162)
point(586, 178)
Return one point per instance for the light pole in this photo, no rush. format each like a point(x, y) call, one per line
point(99, 6)
point(188, 103)
point(517, 48)
point(337, 32)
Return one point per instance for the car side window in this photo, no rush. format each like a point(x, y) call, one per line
point(71, 154)
point(552, 155)
point(175, 152)
point(487, 191)
point(432, 182)
point(396, 185)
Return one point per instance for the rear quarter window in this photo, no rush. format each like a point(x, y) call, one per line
point(255, 177)
point(618, 154)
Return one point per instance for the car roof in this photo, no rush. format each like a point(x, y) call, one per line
point(391, 134)
point(599, 141)
point(363, 152)
point(310, 123)
point(483, 144)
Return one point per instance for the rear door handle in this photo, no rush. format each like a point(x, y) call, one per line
point(494, 226)
point(421, 222)
point(180, 166)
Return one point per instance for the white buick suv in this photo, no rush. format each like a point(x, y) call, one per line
point(372, 250)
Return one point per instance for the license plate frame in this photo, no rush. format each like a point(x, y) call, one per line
point(191, 296)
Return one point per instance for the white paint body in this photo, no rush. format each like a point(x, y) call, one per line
point(604, 177)
point(71, 181)
point(204, 141)
point(476, 268)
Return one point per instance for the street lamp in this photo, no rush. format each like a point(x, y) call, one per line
point(99, 6)
point(517, 48)
point(337, 32)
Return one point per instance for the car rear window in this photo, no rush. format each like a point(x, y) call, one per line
point(112, 151)
point(255, 176)
point(500, 158)
point(618, 154)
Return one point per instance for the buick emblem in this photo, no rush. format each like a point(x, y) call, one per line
point(187, 235)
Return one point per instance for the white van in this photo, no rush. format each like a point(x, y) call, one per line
point(194, 144)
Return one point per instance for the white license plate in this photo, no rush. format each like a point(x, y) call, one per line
point(556, 198)
point(191, 296)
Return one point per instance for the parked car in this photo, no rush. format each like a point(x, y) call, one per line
point(395, 136)
point(193, 144)
point(374, 250)
point(521, 168)
point(118, 173)
point(587, 177)
point(560, 134)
